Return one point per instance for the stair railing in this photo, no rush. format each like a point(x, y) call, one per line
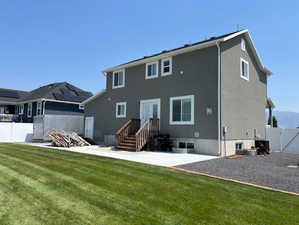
point(149, 129)
point(127, 129)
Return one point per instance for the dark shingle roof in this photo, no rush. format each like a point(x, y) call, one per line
point(9, 95)
point(181, 47)
point(57, 91)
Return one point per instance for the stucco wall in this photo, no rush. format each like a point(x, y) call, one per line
point(199, 78)
point(243, 102)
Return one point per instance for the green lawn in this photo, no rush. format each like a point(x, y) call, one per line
point(45, 186)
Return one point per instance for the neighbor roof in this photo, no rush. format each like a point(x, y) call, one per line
point(60, 92)
point(11, 96)
point(63, 92)
point(191, 47)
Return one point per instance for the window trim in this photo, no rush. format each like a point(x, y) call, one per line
point(29, 115)
point(243, 44)
point(241, 74)
point(125, 110)
point(171, 122)
point(146, 70)
point(170, 66)
point(124, 78)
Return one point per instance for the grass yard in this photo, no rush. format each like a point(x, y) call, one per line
point(45, 186)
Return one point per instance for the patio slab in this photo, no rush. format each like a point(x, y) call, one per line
point(277, 170)
point(153, 158)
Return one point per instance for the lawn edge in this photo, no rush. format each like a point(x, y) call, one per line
point(232, 180)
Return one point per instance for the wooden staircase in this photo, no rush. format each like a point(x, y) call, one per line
point(132, 137)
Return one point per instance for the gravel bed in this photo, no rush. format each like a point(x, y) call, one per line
point(270, 170)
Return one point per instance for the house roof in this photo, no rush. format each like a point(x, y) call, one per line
point(63, 92)
point(11, 96)
point(191, 47)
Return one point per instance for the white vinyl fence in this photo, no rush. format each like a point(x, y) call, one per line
point(16, 132)
point(283, 140)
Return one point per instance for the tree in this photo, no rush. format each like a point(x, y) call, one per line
point(275, 122)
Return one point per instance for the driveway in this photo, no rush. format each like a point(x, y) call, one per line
point(275, 170)
point(153, 158)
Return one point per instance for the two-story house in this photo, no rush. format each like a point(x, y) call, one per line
point(210, 97)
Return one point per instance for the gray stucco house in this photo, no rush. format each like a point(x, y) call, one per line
point(52, 99)
point(210, 97)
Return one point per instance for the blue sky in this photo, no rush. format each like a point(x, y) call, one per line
point(50, 41)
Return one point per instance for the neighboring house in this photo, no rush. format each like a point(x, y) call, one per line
point(210, 97)
point(53, 99)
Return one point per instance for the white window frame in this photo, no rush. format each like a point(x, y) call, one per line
point(170, 66)
point(171, 122)
point(39, 107)
point(29, 112)
point(243, 44)
point(125, 110)
point(124, 79)
point(241, 69)
point(146, 70)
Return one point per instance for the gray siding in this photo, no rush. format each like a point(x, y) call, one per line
point(199, 79)
point(243, 102)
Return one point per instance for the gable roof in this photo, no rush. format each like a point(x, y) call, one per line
point(62, 92)
point(191, 47)
point(11, 96)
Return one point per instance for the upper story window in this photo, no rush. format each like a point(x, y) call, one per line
point(243, 44)
point(29, 110)
point(39, 108)
point(244, 68)
point(151, 70)
point(166, 66)
point(182, 110)
point(118, 79)
point(121, 109)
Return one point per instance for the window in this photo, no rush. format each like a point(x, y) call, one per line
point(39, 108)
point(244, 69)
point(121, 108)
point(29, 110)
point(239, 146)
point(118, 79)
point(243, 45)
point(151, 70)
point(166, 66)
point(182, 110)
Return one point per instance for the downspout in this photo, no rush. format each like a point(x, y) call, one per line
point(219, 100)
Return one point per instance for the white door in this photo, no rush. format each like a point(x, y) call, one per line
point(89, 127)
point(149, 109)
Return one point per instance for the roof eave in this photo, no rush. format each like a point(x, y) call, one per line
point(163, 55)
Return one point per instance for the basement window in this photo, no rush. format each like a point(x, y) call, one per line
point(186, 145)
point(239, 146)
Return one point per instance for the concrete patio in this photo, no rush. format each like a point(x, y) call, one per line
point(152, 158)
